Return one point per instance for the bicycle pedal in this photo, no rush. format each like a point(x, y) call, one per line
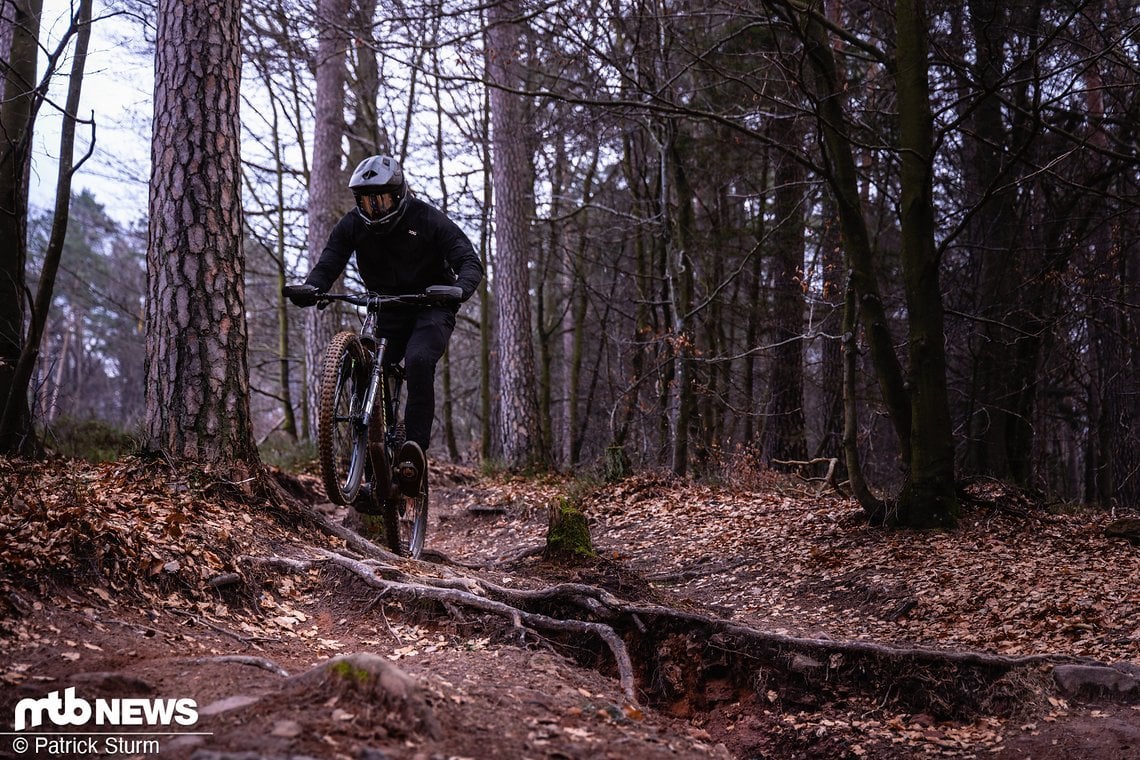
point(408, 476)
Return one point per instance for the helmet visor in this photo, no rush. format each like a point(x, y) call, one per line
point(376, 206)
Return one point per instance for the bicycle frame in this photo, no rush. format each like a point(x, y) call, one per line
point(368, 331)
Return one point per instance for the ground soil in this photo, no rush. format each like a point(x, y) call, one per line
point(207, 608)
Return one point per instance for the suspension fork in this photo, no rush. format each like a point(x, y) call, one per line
point(374, 381)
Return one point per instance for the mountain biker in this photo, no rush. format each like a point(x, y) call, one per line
point(402, 245)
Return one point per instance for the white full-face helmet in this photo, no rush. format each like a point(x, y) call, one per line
point(380, 191)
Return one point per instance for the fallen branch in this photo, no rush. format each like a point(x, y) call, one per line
point(224, 580)
point(239, 659)
point(251, 640)
point(828, 479)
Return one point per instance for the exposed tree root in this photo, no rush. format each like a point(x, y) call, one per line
point(667, 654)
point(352, 539)
point(451, 595)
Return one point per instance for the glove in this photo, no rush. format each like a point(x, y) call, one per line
point(301, 295)
point(445, 293)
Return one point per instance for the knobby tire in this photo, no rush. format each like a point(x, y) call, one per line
point(406, 539)
point(342, 446)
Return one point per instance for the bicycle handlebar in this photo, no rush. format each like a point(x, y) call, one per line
point(434, 294)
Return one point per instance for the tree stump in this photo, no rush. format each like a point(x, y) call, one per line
point(617, 465)
point(568, 537)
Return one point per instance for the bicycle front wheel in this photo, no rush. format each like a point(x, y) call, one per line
point(405, 523)
point(342, 437)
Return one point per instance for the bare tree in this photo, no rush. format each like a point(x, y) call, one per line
point(327, 176)
point(17, 403)
point(519, 428)
point(19, 30)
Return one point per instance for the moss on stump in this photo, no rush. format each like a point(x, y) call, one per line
point(568, 537)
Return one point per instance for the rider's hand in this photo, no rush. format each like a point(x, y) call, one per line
point(445, 293)
point(301, 295)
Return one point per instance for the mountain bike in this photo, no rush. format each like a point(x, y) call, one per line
point(360, 429)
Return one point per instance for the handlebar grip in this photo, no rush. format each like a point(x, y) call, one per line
point(301, 295)
point(445, 292)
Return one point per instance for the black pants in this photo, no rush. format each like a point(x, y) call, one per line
point(419, 337)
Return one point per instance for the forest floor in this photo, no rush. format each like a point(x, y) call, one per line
point(716, 621)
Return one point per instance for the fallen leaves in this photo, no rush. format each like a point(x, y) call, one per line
point(807, 565)
point(136, 525)
point(416, 640)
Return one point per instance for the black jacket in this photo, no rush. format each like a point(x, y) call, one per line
point(424, 248)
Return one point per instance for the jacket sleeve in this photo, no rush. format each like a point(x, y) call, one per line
point(461, 257)
point(334, 258)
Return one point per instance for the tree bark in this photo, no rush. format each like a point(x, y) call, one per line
point(872, 506)
point(19, 28)
point(998, 432)
point(677, 198)
point(197, 379)
point(519, 426)
point(367, 133)
point(328, 188)
point(929, 498)
point(17, 400)
point(487, 425)
point(783, 437)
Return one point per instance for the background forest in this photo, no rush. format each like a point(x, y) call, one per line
point(718, 234)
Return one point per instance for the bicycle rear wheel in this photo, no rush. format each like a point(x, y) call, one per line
point(405, 517)
point(405, 523)
point(342, 438)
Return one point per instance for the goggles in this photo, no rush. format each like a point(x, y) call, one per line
point(376, 206)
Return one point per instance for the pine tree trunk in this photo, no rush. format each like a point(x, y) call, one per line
point(519, 426)
point(197, 379)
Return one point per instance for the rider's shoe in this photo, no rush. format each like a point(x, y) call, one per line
point(411, 469)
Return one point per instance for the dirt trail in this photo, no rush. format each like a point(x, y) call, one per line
point(250, 652)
